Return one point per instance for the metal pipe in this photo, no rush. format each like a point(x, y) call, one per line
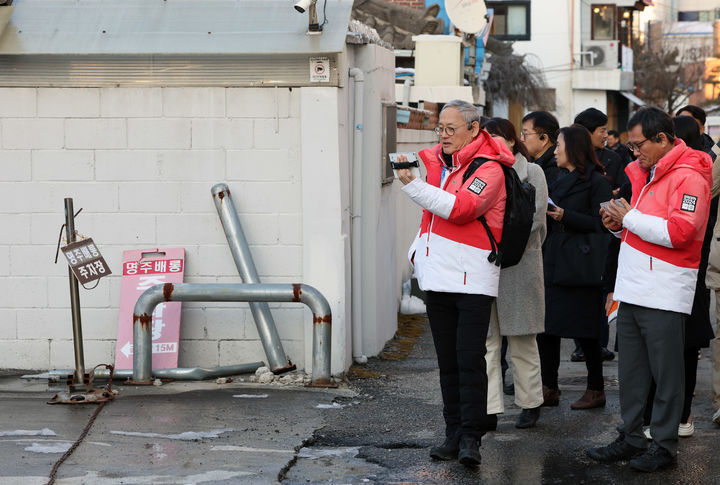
point(246, 268)
point(406, 91)
point(185, 373)
point(356, 217)
point(74, 299)
point(146, 303)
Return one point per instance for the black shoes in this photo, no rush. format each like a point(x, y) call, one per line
point(577, 356)
point(469, 454)
point(618, 450)
point(606, 354)
point(509, 389)
point(446, 451)
point(491, 423)
point(528, 418)
point(654, 459)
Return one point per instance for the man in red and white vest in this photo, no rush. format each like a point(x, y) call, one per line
point(450, 256)
point(662, 233)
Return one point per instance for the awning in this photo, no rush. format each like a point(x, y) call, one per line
point(649, 3)
point(633, 98)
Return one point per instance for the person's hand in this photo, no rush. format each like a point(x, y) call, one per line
point(556, 213)
point(609, 302)
point(405, 175)
point(615, 192)
point(617, 210)
point(609, 222)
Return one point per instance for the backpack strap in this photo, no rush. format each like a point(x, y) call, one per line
point(495, 255)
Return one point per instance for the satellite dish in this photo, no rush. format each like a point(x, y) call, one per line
point(467, 15)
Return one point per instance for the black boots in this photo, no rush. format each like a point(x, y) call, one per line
point(469, 454)
point(466, 450)
point(446, 451)
point(528, 418)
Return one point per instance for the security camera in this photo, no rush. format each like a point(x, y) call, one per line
point(303, 5)
point(314, 27)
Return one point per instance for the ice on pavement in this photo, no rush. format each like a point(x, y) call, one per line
point(186, 436)
point(29, 432)
point(49, 447)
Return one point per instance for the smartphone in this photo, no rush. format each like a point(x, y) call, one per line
point(407, 160)
point(551, 207)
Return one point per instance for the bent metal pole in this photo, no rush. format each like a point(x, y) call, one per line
point(240, 250)
point(79, 373)
point(322, 318)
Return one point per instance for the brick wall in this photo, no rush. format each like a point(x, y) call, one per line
point(141, 162)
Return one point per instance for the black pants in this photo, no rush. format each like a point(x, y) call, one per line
point(459, 324)
point(549, 348)
point(691, 362)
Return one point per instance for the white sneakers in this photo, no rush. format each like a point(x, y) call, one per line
point(685, 430)
point(716, 417)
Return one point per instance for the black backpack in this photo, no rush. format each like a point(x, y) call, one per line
point(518, 220)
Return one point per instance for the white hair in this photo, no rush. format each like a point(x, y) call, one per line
point(468, 111)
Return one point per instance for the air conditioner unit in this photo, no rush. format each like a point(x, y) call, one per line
point(600, 54)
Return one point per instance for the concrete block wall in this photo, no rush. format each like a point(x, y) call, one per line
point(141, 162)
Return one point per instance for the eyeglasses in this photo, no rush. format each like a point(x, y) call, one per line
point(635, 146)
point(448, 130)
point(525, 134)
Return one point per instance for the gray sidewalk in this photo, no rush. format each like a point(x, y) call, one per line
point(378, 430)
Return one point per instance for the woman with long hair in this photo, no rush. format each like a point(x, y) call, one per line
point(518, 313)
point(574, 263)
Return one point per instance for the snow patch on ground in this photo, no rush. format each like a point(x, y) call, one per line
point(29, 432)
point(186, 436)
point(315, 453)
point(49, 448)
point(251, 396)
point(330, 406)
point(247, 449)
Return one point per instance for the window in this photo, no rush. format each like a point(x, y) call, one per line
point(699, 15)
point(603, 22)
point(511, 20)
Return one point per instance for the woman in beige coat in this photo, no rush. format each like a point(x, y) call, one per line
point(519, 311)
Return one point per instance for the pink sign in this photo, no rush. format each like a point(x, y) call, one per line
point(143, 268)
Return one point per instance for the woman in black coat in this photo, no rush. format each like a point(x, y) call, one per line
point(574, 263)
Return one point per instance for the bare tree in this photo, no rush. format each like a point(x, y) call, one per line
point(665, 75)
point(512, 78)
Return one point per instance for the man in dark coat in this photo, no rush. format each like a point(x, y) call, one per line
point(596, 123)
point(613, 143)
point(699, 115)
point(539, 134)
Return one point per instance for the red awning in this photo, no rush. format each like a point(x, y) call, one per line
point(649, 3)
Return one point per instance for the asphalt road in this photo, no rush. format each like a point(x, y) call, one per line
point(377, 428)
point(386, 437)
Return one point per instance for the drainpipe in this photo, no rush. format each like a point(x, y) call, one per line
point(356, 217)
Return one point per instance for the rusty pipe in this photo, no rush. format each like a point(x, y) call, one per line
point(146, 303)
point(240, 250)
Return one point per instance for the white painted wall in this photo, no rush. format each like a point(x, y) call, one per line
point(141, 162)
point(381, 293)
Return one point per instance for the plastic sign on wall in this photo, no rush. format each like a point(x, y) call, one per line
point(142, 269)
